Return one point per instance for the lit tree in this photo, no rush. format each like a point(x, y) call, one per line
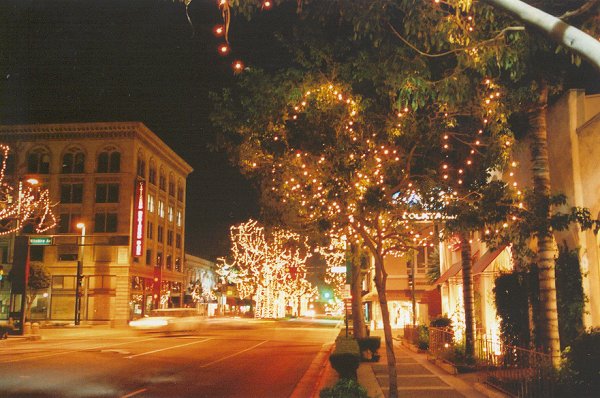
point(325, 168)
point(22, 203)
point(335, 257)
point(269, 266)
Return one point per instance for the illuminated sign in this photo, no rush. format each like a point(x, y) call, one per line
point(139, 216)
point(425, 216)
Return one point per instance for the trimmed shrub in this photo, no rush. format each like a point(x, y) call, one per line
point(345, 388)
point(423, 337)
point(581, 374)
point(345, 359)
point(371, 345)
point(441, 322)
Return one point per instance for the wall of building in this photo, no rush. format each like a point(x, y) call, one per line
point(109, 267)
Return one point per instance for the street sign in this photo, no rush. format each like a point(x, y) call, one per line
point(40, 240)
point(338, 270)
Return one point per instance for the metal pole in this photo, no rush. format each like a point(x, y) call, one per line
point(414, 299)
point(79, 277)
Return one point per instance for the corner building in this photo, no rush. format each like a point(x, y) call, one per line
point(128, 188)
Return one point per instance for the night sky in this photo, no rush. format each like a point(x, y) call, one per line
point(134, 60)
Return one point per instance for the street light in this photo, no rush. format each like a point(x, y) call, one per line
point(79, 279)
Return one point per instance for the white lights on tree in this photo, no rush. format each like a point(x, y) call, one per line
point(23, 202)
point(268, 266)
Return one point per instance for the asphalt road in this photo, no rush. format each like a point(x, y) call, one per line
point(226, 358)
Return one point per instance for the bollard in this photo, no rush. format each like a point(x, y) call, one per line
point(35, 328)
point(27, 328)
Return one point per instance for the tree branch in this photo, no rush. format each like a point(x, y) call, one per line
point(457, 50)
point(560, 32)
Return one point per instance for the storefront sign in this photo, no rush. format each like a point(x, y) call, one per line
point(139, 217)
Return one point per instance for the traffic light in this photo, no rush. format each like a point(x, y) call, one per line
point(410, 280)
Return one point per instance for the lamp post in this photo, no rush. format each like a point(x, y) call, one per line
point(79, 279)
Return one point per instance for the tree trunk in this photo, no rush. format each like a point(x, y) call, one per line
point(357, 314)
point(541, 188)
point(468, 295)
point(380, 283)
point(562, 33)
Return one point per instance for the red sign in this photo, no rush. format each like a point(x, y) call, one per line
point(139, 216)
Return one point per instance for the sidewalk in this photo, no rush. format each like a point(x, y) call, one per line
point(417, 377)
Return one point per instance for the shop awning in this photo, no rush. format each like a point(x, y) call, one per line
point(486, 260)
point(449, 273)
point(480, 265)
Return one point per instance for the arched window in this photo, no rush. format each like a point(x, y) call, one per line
point(141, 165)
point(38, 161)
point(152, 172)
point(171, 185)
point(73, 161)
point(162, 180)
point(109, 160)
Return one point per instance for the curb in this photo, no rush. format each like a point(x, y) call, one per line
point(311, 381)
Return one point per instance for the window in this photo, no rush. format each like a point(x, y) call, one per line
point(179, 218)
point(178, 241)
point(161, 209)
point(107, 193)
point(169, 261)
point(152, 173)
point(36, 253)
point(71, 193)
point(170, 213)
point(178, 264)
point(148, 257)
point(68, 223)
point(150, 204)
point(150, 230)
point(38, 161)
point(68, 253)
point(105, 222)
point(160, 233)
point(179, 193)
point(109, 161)
point(170, 238)
point(171, 186)
point(73, 161)
point(159, 259)
point(162, 181)
point(141, 166)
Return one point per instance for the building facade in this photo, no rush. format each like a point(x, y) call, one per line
point(127, 188)
point(573, 124)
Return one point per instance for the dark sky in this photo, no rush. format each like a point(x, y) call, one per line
point(99, 60)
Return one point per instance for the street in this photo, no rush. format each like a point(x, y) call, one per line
point(226, 358)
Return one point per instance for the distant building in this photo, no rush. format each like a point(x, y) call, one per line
point(128, 188)
point(399, 291)
point(200, 283)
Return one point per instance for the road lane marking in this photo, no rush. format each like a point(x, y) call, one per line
point(233, 355)
point(71, 351)
point(136, 392)
point(167, 348)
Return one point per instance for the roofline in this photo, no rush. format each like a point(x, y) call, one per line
point(131, 129)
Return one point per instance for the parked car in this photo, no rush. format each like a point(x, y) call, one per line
point(169, 320)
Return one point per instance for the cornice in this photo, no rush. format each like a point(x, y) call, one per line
point(97, 130)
